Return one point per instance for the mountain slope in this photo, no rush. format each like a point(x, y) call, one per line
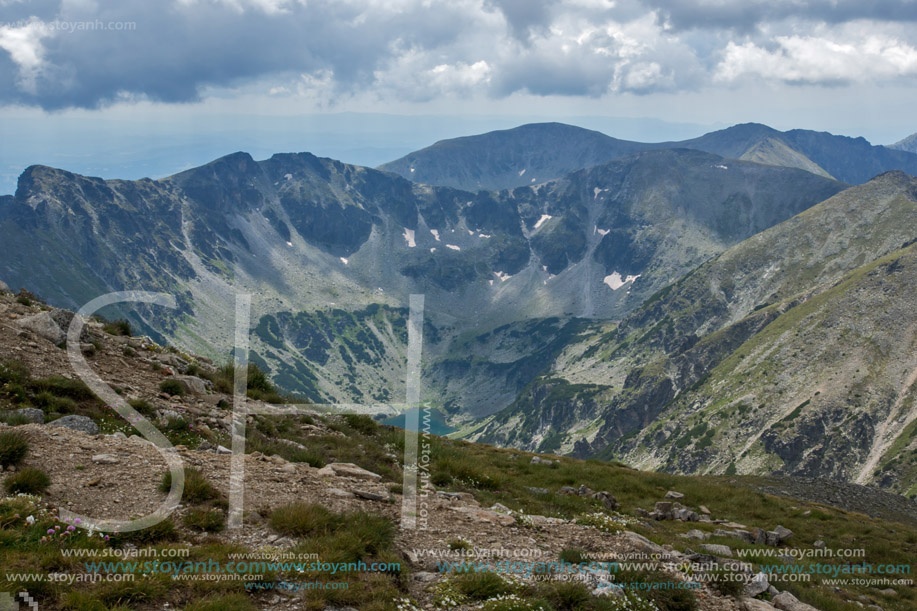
point(909, 144)
point(511, 158)
point(540, 152)
point(658, 387)
point(331, 253)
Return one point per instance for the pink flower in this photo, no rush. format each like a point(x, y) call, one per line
point(50, 531)
point(71, 528)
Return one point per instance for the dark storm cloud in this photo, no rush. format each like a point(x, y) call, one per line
point(169, 52)
point(176, 50)
point(746, 15)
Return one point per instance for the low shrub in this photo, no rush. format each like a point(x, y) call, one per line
point(207, 520)
point(197, 488)
point(172, 387)
point(118, 327)
point(28, 481)
point(161, 531)
point(14, 446)
point(301, 519)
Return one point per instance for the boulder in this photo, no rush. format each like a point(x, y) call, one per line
point(541, 461)
point(724, 551)
point(787, 602)
point(607, 500)
point(585, 490)
point(42, 325)
point(671, 494)
point(346, 469)
point(751, 604)
point(32, 414)
point(369, 496)
point(535, 490)
point(782, 533)
point(192, 384)
point(642, 544)
point(569, 490)
point(663, 508)
point(704, 510)
point(77, 423)
point(756, 585)
point(3, 287)
point(695, 534)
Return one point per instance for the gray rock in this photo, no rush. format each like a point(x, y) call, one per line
point(723, 551)
point(425, 576)
point(751, 604)
point(541, 461)
point(695, 534)
point(756, 585)
point(663, 508)
point(704, 510)
point(32, 414)
point(106, 459)
point(42, 325)
point(3, 287)
point(223, 450)
point(535, 490)
point(819, 544)
point(569, 490)
point(584, 490)
point(787, 602)
point(369, 496)
point(192, 384)
point(782, 533)
point(77, 423)
point(607, 500)
point(889, 592)
point(671, 494)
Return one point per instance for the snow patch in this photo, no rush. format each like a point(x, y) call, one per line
point(601, 232)
point(433, 250)
point(343, 260)
point(521, 172)
point(483, 235)
point(290, 244)
point(544, 217)
point(435, 234)
point(409, 237)
point(453, 247)
point(533, 180)
point(503, 277)
point(470, 232)
point(491, 282)
point(720, 166)
point(614, 280)
point(412, 170)
point(288, 176)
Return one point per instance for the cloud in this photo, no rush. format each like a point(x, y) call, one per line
point(814, 60)
point(747, 15)
point(24, 45)
point(57, 54)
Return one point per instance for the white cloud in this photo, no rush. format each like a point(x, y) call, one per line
point(819, 60)
point(25, 48)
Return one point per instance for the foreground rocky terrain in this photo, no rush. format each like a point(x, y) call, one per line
point(331, 487)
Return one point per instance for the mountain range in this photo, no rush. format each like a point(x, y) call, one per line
point(537, 153)
point(675, 305)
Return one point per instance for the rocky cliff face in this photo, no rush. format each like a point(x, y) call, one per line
point(331, 253)
point(788, 353)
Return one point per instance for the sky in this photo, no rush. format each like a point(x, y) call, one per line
point(134, 88)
